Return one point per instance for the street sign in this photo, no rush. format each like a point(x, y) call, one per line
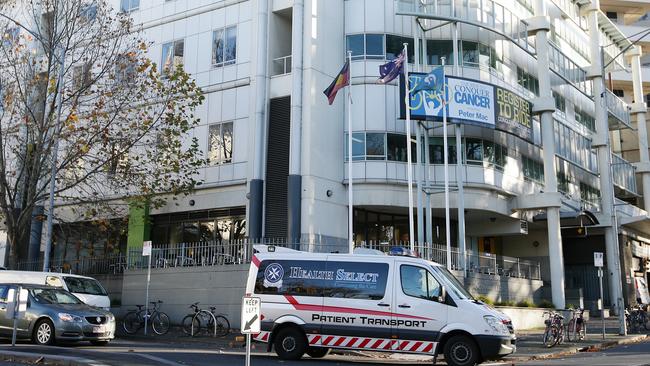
point(146, 248)
point(598, 259)
point(250, 315)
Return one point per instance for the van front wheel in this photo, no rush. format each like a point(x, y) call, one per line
point(290, 343)
point(461, 350)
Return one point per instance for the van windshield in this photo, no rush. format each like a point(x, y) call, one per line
point(87, 286)
point(452, 282)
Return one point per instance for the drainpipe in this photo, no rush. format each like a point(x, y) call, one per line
point(294, 195)
point(545, 105)
point(256, 184)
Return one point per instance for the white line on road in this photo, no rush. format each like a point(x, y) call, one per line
point(154, 358)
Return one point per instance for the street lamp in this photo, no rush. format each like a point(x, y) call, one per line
point(55, 150)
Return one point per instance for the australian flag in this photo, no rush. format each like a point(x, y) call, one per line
point(391, 69)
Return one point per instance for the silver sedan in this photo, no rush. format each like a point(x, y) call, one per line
point(54, 314)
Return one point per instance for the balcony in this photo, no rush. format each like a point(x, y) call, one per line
point(281, 66)
point(624, 175)
point(618, 112)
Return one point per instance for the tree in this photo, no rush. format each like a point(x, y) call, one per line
point(124, 129)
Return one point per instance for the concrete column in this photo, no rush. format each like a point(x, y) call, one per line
point(639, 108)
point(294, 194)
point(545, 105)
point(256, 184)
point(602, 142)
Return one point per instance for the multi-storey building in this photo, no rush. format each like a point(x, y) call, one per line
point(277, 150)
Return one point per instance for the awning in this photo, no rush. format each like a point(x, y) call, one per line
point(571, 218)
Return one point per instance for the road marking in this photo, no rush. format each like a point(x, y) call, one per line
point(154, 358)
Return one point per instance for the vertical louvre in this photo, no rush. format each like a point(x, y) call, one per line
point(277, 168)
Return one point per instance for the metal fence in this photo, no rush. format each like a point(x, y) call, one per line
point(224, 253)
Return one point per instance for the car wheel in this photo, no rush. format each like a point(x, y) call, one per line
point(290, 344)
point(44, 333)
point(99, 343)
point(461, 350)
point(317, 352)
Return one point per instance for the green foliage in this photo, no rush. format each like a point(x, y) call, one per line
point(485, 299)
point(526, 304)
point(505, 303)
point(545, 304)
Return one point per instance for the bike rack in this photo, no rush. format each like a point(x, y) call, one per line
point(214, 321)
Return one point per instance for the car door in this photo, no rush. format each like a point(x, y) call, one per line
point(4, 321)
point(357, 308)
point(420, 313)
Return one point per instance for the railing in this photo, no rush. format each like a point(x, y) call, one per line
point(617, 108)
point(624, 174)
point(281, 66)
point(110, 264)
point(485, 13)
point(569, 70)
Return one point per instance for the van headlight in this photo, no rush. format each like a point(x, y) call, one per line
point(496, 324)
point(70, 318)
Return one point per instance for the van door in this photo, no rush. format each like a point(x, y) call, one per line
point(5, 323)
point(357, 307)
point(420, 313)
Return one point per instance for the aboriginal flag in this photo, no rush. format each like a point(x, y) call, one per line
point(341, 80)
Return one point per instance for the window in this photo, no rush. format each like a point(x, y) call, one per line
point(88, 12)
point(436, 49)
point(589, 194)
point(11, 36)
point(350, 280)
point(469, 53)
point(527, 80)
point(84, 286)
point(436, 151)
point(172, 55)
point(395, 45)
point(4, 289)
point(420, 283)
point(224, 46)
point(585, 119)
point(368, 46)
point(220, 143)
point(474, 151)
point(129, 5)
point(81, 76)
point(375, 146)
point(560, 102)
point(619, 93)
point(396, 147)
point(125, 71)
point(563, 181)
point(533, 170)
point(612, 15)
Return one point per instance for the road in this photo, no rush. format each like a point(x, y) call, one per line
point(138, 353)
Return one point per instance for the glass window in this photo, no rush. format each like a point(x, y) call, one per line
point(436, 148)
point(436, 49)
point(53, 296)
point(239, 229)
point(224, 46)
point(354, 43)
point(172, 55)
point(220, 143)
point(474, 151)
point(395, 45)
point(396, 147)
point(224, 227)
point(418, 282)
point(191, 232)
point(84, 286)
point(3, 293)
point(560, 102)
point(129, 5)
point(206, 231)
point(469, 53)
point(375, 147)
point(81, 76)
point(358, 146)
point(374, 46)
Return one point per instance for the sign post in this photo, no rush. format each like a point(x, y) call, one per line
point(146, 252)
point(16, 308)
point(250, 321)
point(598, 263)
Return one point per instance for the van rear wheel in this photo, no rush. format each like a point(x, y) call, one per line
point(317, 352)
point(460, 350)
point(290, 343)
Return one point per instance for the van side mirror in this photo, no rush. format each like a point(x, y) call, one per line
point(443, 295)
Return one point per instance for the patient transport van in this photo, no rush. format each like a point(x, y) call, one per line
point(312, 302)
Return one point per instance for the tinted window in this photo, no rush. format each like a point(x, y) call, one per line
point(53, 296)
point(3, 293)
point(84, 286)
point(320, 278)
point(418, 282)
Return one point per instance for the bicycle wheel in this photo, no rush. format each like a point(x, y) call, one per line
point(559, 335)
point(549, 337)
point(582, 331)
point(160, 323)
point(131, 322)
point(187, 325)
point(223, 326)
point(572, 328)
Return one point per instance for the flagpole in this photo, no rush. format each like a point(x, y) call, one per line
point(409, 171)
point(446, 165)
point(350, 194)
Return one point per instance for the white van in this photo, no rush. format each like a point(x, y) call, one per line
point(312, 302)
point(87, 289)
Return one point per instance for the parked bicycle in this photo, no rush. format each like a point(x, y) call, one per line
point(554, 332)
point(636, 318)
point(135, 319)
point(208, 321)
point(577, 326)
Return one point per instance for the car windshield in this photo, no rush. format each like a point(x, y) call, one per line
point(452, 282)
point(88, 286)
point(53, 296)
